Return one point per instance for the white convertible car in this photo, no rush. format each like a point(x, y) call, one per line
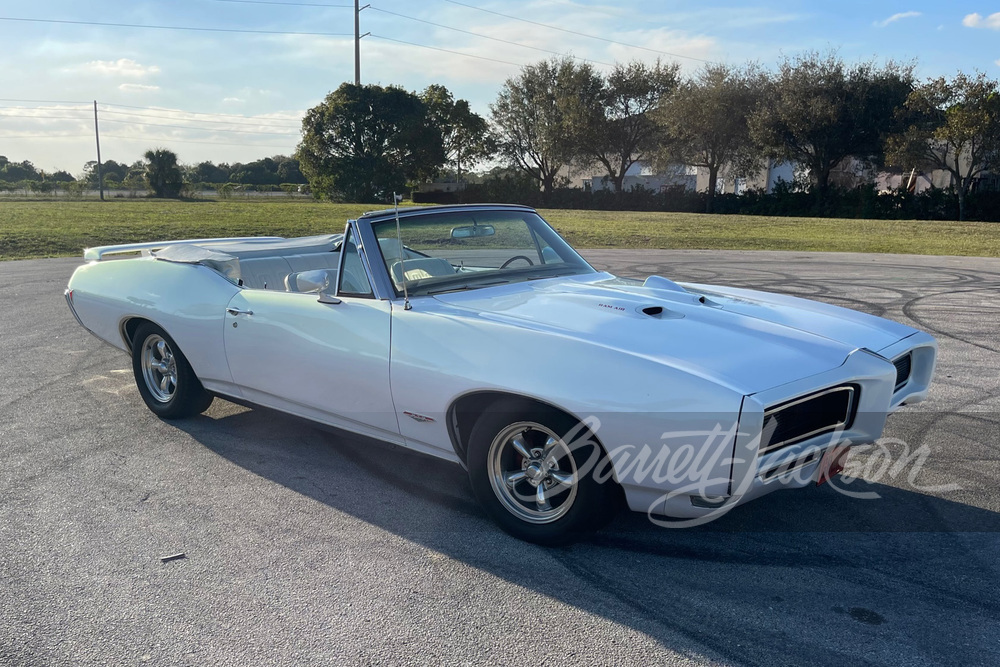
point(478, 335)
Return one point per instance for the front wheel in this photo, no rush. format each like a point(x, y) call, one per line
point(537, 473)
point(164, 377)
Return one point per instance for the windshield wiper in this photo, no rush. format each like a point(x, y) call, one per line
point(468, 286)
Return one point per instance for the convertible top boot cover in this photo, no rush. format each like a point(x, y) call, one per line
point(220, 262)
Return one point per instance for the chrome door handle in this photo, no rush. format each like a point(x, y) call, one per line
point(237, 311)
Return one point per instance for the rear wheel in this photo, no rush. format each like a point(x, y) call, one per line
point(533, 470)
point(163, 375)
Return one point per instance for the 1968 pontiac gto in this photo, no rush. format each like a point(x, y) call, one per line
point(478, 335)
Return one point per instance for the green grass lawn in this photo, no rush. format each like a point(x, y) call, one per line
point(58, 228)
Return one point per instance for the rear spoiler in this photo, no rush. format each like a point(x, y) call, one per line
point(143, 249)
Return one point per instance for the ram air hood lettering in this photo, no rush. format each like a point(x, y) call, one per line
point(747, 340)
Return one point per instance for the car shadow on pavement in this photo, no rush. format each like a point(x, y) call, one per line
point(811, 559)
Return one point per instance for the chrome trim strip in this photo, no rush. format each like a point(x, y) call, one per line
point(69, 302)
point(374, 216)
point(378, 277)
point(97, 253)
point(771, 446)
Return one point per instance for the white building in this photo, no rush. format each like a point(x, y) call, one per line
point(642, 175)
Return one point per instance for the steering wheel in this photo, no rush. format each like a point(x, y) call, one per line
point(514, 259)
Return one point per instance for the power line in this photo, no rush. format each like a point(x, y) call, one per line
point(21, 107)
point(8, 99)
point(495, 39)
point(574, 32)
point(196, 120)
point(457, 53)
point(200, 129)
point(15, 115)
point(134, 122)
point(193, 113)
point(174, 27)
point(248, 121)
point(191, 141)
point(47, 136)
point(284, 4)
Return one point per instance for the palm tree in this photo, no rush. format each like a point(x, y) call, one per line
point(163, 176)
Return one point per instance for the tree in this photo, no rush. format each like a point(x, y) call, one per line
point(162, 174)
point(465, 135)
point(18, 171)
point(707, 121)
point(952, 125)
point(820, 111)
point(110, 170)
point(289, 170)
point(61, 177)
point(610, 119)
point(258, 172)
point(533, 117)
point(363, 143)
point(207, 172)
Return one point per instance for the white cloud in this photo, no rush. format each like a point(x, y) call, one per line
point(998, 62)
point(897, 17)
point(122, 67)
point(691, 48)
point(979, 21)
point(137, 87)
point(233, 100)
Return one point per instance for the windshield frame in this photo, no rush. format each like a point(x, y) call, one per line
point(540, 231)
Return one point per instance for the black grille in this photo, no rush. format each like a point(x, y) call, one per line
point(807, 417)
point(903, 366)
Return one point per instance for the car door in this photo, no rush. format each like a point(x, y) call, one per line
point(322, 358)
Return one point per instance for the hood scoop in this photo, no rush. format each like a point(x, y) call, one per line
point(659, 282)
point(660, 313)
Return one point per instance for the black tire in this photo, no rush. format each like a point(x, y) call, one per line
point(569, 511)
point(164, 377)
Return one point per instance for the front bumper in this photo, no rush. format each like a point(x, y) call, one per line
point(800, 464)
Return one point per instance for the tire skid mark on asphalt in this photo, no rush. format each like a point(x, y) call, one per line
point(716, 636)
point(863, 575)
point(909, 309)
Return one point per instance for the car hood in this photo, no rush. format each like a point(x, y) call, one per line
point(746, 340)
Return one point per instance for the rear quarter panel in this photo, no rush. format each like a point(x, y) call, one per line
point(187, 300)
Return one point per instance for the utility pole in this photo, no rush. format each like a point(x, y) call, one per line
point(97, 136)
point(357, 41)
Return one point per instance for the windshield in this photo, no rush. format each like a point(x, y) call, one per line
point(460, 250)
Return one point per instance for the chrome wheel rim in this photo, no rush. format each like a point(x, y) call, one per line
point(533, 472)
point(159, 368)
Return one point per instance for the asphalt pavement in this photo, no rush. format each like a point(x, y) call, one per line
point(306, 547)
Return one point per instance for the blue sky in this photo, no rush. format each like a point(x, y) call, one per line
point(148, 81)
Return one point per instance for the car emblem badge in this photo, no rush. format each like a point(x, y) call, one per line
point(420, 418)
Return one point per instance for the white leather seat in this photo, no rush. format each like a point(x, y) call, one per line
point(418, 269)
point(314, 260)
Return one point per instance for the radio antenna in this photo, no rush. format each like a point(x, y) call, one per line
point(402, 258)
